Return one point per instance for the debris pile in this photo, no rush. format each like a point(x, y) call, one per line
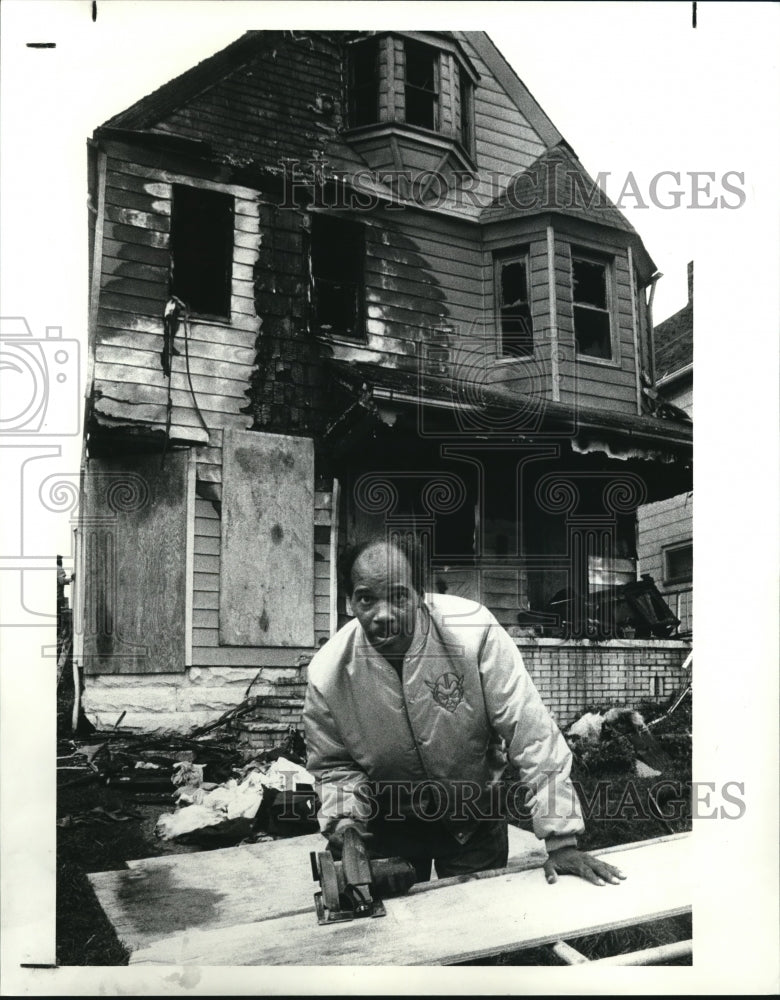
point(617, 741)
point(218, 799)
point(204, 805)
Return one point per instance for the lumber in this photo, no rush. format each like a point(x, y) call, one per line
point(453, 923)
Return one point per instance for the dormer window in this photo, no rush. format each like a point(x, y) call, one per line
point(363, 69)
point(421, 85)
point(410, 102)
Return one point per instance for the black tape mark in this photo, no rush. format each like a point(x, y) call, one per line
point(693, 14)
point(94, 10)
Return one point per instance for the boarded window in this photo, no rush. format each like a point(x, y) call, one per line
point(678, 563)
point(202, 249)
point(266, 575)
point(363, 77)
point(591, 299)
point(422, 85)
point(337, 257)
point(134, 534)
point(513, 308)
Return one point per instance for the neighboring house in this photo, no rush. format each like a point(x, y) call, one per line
point(665, 528)
point(345, 283)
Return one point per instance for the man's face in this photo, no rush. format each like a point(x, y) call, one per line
point(384, 599)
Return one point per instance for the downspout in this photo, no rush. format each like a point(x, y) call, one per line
point(650, 328)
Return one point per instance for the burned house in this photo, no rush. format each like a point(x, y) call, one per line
point(349, 283)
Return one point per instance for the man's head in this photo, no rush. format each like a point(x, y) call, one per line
point(385, 587)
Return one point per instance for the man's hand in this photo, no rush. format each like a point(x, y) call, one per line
point(336, 837)
point(570, 861)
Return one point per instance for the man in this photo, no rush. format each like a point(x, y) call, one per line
point(404, 709)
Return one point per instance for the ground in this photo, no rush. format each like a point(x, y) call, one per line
point(619, 807)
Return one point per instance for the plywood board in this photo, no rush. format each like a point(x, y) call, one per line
point(267, 562)
point(155, 898)
point(134, 527)
point(453, 923)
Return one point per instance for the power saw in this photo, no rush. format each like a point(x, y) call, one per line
point(355, 886)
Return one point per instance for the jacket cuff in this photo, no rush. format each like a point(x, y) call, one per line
point(555, 843)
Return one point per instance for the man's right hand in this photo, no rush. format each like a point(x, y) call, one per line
point(336, 836)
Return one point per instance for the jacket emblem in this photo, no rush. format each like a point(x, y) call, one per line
point(447, 690)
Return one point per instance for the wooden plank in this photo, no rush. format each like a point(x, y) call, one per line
point(156, 897)
point(267, 563)
point(569, 955)
point(516, 910)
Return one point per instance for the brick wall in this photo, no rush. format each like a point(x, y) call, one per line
point(572, 675)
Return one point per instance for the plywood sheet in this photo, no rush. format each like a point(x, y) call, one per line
point(452, 923)
point(267, 563)
point(134, 526)
point(155, 898)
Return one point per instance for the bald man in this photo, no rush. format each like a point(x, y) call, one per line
point(406, 707)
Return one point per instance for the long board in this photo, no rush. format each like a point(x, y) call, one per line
point(448, 923)
point(175, 894)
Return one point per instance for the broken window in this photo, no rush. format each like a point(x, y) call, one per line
point(513, 307)
point(202, 249)
point(591, 300)
point(422, 85)
point(363, 68)
point(678, 563)
point(337, 255)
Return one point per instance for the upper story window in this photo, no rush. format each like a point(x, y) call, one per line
point(202, 249)
point(411, 95)
point(337, 259)
point(513, 310)
point(466, 110)
point(592, 302)
point(363, 75)
point(421, 85)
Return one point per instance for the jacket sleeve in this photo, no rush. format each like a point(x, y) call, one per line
point(534, 743)
point(341, 785)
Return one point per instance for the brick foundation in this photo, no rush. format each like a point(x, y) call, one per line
point(571, 675)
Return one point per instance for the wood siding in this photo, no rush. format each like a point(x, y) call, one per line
point(659, 526)
point(129, 382)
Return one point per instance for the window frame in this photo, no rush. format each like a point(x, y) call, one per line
point(676, 581)
point(374, 42)
point(588, 256)
point(360, 335)
point(219, 317)
point(465, 136)
point(436, 55)
point(511, 255)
